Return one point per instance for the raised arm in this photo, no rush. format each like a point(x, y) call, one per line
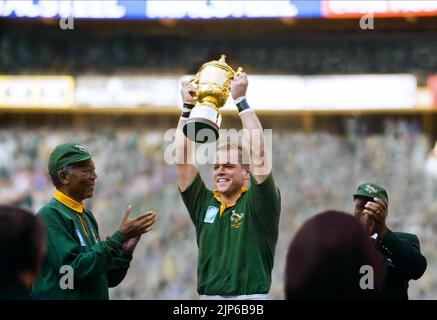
point(186, 171)
point(260, 166)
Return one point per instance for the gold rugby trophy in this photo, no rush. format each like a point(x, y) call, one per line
point(212, 84)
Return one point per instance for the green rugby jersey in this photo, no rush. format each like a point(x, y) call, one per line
point(72, 238)
point(236, 246)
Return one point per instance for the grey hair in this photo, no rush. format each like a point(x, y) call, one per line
point(55, 178)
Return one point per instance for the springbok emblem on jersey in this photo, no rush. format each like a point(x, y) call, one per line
point(236, 219)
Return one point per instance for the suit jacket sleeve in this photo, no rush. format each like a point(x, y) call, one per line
point(404, 252)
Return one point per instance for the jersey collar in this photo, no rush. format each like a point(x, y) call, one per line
point(69, 202)
point(223, 205)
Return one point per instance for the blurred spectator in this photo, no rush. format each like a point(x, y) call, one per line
point(21, 249)
point(400, 251)
point(326, 258)
point(431, 163)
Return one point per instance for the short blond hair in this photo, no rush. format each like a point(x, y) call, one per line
point(242, 156)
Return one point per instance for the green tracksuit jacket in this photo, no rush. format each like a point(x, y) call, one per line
point(73, 244)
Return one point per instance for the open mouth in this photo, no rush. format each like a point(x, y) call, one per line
point(222, 183)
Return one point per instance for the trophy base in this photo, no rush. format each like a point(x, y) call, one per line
point(203, 124)
point(201, 130)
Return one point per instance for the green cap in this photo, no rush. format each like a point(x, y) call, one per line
point(65, 154)
point(372, 190)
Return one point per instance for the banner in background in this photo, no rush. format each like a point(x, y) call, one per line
point(126, 91)
point(143, 10)
point(37, 91)
point(213, 9)
point(380, 8)
point(339, 92)
point(432, 89)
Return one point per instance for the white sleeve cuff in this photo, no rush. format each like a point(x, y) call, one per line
point(245, 111)
point(239, 99)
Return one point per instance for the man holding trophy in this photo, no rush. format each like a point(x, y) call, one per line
point(236, 223)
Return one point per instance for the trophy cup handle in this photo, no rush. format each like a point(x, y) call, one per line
point(195, 79)
point(238, 72)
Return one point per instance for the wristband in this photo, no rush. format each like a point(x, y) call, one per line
point(242, 104)
point(186, 110)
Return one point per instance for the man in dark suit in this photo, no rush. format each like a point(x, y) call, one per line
point(399, 251)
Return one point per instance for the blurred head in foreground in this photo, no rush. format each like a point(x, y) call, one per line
point(21, 248)
point(331, 257)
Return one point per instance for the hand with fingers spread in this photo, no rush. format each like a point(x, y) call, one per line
point(138, 225)
point(377, 211)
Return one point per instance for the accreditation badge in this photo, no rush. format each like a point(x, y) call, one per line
point(210, 215)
